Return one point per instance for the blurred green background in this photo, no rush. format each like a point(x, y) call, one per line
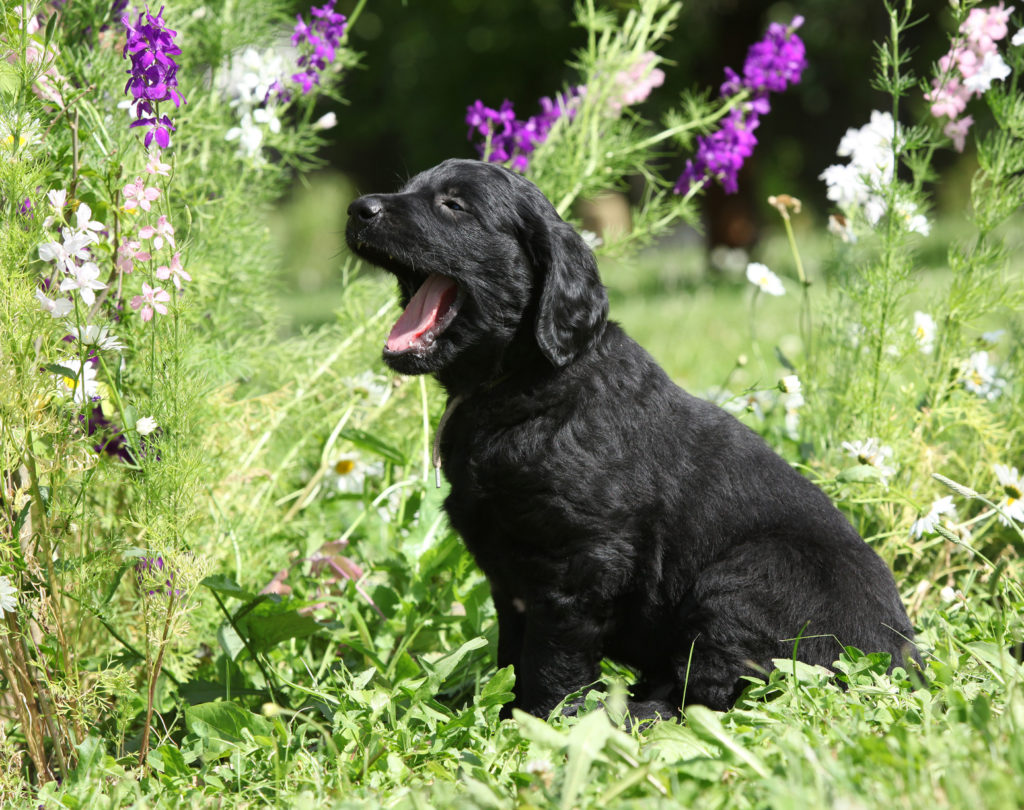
point(424, 62)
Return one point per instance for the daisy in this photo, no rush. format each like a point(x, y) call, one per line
point(765, 280)
point(348, 474)
point(979, 377)
point(1012, 505)
point(790, 384)
point(8, 596)
point(872, 454)
point(926, 523)
point(98, 336)
point(924, 331)
point(79, 381)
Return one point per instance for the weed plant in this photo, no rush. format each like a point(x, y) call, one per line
point(225, 575)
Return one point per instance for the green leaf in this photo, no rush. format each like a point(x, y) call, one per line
point(498, 690)
point(168, 760)
point(707, 725)
point(9, 78)
point(230, 642)
point(370, 443)
point(443, 669)
point(227, 586)
point(586, 740)
point(859, 474)
point(221, 725)
point(271, 623)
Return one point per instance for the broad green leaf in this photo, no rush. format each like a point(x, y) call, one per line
point(707, 725)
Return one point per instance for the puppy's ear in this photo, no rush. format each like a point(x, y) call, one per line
point(573, 305)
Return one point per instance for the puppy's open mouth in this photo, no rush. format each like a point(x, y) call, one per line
point(430, 311)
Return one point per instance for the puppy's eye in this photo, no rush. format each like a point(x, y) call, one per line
point(454, 206)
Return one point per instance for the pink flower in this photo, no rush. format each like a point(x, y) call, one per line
point(152, 298)
point(956, 131)
point(163, 230)
point(155, 166)
point(175, 272)
point(986, 26)
point(136, 195)
point(127, 254)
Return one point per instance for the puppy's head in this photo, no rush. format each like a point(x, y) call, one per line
point(484, 264)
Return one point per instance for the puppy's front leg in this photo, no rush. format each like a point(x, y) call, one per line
point(561, 654)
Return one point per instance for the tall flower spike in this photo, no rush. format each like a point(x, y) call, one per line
point(772, 64)
point(153, 75)
point(319, 42)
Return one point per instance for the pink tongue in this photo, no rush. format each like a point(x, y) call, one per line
point(432, 300)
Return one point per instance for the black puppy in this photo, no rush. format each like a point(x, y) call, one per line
point(613, 513)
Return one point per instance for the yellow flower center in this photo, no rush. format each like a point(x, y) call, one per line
point(345, 466)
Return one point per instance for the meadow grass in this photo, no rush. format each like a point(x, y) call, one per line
point(226, 578)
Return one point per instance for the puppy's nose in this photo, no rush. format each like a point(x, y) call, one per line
point(366, 208)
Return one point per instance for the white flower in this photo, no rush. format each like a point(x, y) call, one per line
point(81, 384)
point(57, 197)
point(8, 596)
point(248, 134)
point(916, 223)
point(325, 121)
point(85, 279)
point(57, 308)
point(98, 336)
point(591, 239)
point(86, 226)
point(924, 331)
point(753, 402)
point(1018, 38)
point(870, 453)
point(840, 226)
point(74, 246)
point(1012, 504)
point(992, 68)
point(251, 75)
point(145, 425)
point(349, 473)
point(979, 377)
point(845, 185)
point(925, 524)
point(765, 280)
point(993, 337)
point(376, 388)
point(790, 384)
point(268, 117)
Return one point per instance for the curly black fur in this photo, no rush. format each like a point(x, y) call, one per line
point(613, 513)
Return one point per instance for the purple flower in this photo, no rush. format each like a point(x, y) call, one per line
point(319, 41)
point(148, 568)
point(153, 75)
point(26, 208)
point(771, 66)
point(511, 139)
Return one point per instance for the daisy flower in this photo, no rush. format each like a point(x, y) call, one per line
point(8, 596)
point(872, 454)
point(764, 279)
point(924, 331)
point(1012, 505)
point(926, 523)
point(98, 336)
point(81, 384)
point(348, 474)
point(978, 376)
